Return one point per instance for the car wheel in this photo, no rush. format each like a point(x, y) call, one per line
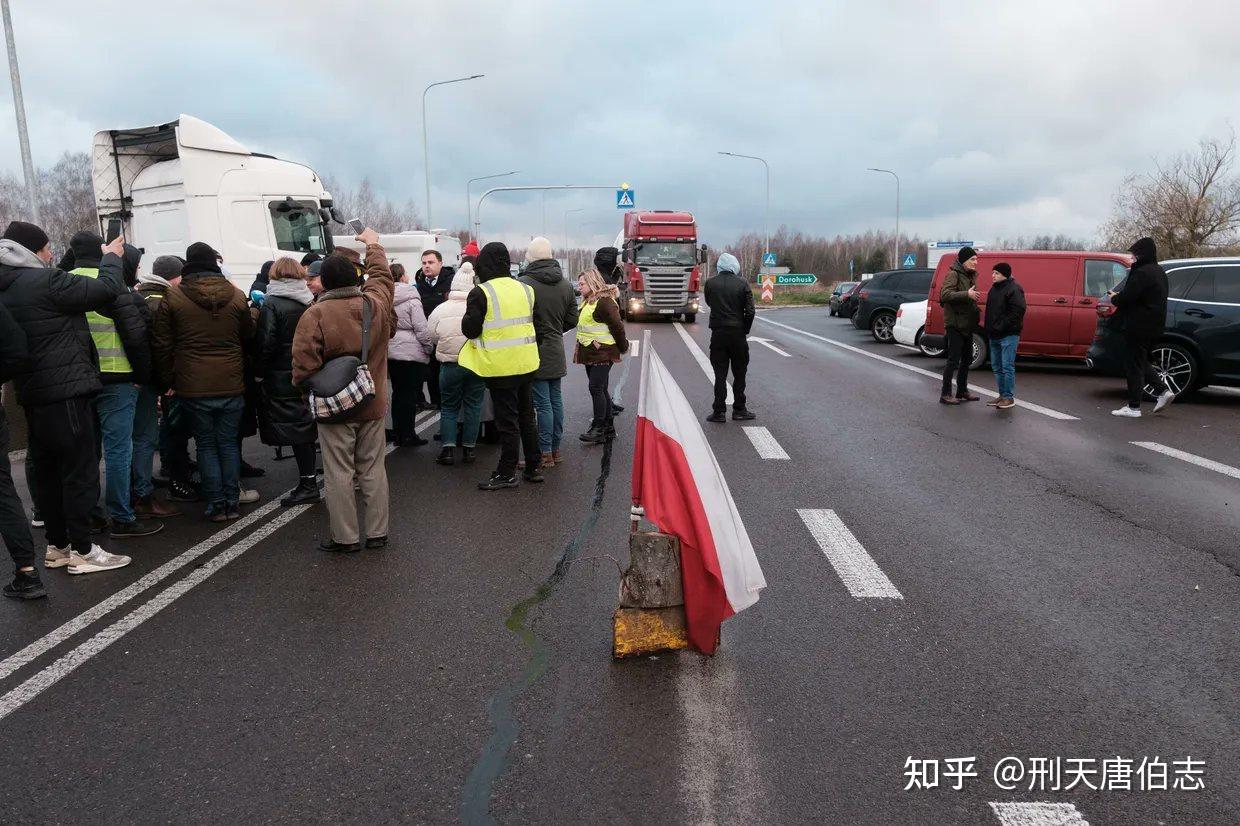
point(882, 327)
point(690, 318)
point(979, 352)
point(1177, 367)
point(932, 352)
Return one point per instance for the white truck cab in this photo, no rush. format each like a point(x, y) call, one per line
point(186, 181)
point(407, 247)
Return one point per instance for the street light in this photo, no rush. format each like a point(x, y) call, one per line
point(895, 262)
point(567, 212)
point(426, 163)
point(469, 204)
point(766, 221)
point(19, 108)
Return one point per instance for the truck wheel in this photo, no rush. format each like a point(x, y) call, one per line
point(690, 318)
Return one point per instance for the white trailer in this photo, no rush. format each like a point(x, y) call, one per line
point(407, 247)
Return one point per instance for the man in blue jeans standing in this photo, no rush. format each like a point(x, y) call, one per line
point(1005, 317)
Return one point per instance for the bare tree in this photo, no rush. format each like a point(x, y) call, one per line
point(1189, 204)
point(1044, 242)
point(381, 214)
point(66, 199)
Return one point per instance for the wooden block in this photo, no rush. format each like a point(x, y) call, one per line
point(640, 631)
point(653, 577)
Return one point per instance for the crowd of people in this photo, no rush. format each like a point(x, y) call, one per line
point(117, 362)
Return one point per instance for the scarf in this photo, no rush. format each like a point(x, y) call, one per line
point(339, 292)
point(294, 289)
point(152, 278)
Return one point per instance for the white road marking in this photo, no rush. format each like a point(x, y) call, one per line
point(66, 665)
point(701, 358)
point(1200, 461)
point(856, 568)
point(765, 443)
point(1038, 814)
point(766, 342)
point(981, 391)
point(907, 347)
point(58, 635)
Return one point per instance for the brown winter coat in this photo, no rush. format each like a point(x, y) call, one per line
point(608, 312)
point(960, 312)
point(332, 326)
point(197, 337)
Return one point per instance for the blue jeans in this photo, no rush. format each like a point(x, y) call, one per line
point(1003, 362)
point(460, 404)
point(114, 408)
point(214, 423)
point(549, 405)
point(145, 439)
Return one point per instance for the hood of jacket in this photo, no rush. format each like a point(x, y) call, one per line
point(404, 293)
point(85, 250)
point(130, 260)
point(210, 291)
point(1144, 251)
point(13, 254)
point(958, 267)
point(544, 270)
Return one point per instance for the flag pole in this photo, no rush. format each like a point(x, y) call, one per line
point(636, 512)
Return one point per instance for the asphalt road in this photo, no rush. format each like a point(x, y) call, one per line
point(1055, 591)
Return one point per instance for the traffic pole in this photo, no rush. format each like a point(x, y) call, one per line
point(19, 108)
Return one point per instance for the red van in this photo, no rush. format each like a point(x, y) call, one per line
point(1062, 290)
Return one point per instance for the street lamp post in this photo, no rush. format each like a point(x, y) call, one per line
point(469, 204)
point(766, 221)
point(19, 108)
point(426, 163)
point(895, 262)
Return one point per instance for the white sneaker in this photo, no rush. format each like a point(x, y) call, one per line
point(55, 557)
point(247, 497)
point(97, 560)
point(1165, 399)
point(1127, 412)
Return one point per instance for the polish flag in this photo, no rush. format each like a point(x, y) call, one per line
point(680, 485)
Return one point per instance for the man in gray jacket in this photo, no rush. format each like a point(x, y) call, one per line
point(555, 311)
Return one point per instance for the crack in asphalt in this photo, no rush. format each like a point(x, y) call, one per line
point(493, 762)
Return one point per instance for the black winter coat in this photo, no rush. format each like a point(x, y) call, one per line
point(730, 299)
point(50, 305)
point(555, 310)
point(1005, 309)
point(283, 416)
point(432, 297)
point(1141, 305)
point(14, 354)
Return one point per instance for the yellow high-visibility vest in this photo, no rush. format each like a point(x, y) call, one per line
point(112, 357)
point(589, 330)
point(508, 345)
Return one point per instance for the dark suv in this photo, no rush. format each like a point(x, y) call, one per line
point(837, 295)
point(1201, 342)
point(881, 296)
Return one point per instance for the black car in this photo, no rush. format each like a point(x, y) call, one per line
point(881, 297)
point(848, 303)
point(837, 295)
point(1201, 343)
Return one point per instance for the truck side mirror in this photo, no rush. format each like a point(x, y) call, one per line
point(337, 216)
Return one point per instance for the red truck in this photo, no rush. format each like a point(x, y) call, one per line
point(662, 265)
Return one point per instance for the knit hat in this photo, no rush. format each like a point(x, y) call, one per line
point(28, 235)
point(538, 250)
point(1004, 269)
point(965, 254)
point(493, 262)
point(338, 271)
point(727, 263)
point(463, 279)
point(309, 258)
point(201, 258)
point(470, 249)
point(167, 266)
point(605, 260)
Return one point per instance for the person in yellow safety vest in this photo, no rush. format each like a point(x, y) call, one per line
point(503, 350)
point(601, 342)
point(119, 334)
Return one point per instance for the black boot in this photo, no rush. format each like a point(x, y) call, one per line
point(306, 493)
point(25, 585)
point(447, 456)
point(467, 455)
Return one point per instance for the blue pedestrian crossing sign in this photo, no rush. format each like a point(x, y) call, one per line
point(910, 261)
point(768, 259)
point(626, 198)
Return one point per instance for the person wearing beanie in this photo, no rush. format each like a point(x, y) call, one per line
point(434, 282)
point(470, 250)
point(1141, 313)
point(555, 311)
point(258, 290)
point(199, 336)
point(461, 391)
point(120, 335)
point(1005, 317)
point(353, 449)
point(959, 298)
point(61, 378)
point(730, 298)
point(503, 350)
point(309, 258)
point(605, 261)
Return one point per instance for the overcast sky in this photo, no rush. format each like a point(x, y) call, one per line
point(1002, 119)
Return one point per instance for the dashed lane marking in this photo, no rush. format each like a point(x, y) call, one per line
point(700, 358)
point(1037, 408)
point(855, 567)
point(1191, 458)
point(765, 443)
point(1038, 814)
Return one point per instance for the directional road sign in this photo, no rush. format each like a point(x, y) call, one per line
point(626, 198)
point(797, 278)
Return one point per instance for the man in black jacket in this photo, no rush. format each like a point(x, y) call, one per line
point(434, 282)
point(1141, 311)
point(13, 525)
point(1005, 318)
point(730, 299)
point(56, 389)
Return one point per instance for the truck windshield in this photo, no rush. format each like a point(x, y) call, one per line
point(655, 254)
point(297, 230)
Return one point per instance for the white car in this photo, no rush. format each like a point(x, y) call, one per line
point(910, 324)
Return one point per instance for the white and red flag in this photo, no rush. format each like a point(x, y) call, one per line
point(682, 489)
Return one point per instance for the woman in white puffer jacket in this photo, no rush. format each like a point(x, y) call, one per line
point(460, 389)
